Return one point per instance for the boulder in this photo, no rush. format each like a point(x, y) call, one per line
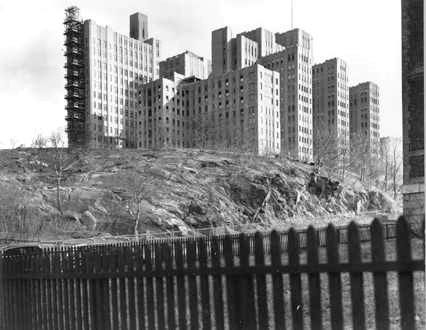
point(89, 220)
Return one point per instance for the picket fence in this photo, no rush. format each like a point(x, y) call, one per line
point(220, 282)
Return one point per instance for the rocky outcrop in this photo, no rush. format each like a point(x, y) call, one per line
point(176, 190)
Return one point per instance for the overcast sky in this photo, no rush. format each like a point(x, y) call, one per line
point(365, 33)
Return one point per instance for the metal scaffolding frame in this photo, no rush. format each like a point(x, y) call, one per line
point(75, 78)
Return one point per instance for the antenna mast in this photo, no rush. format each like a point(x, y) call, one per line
point(292, 14)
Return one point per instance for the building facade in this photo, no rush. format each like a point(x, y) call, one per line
point(413, 111)
point(330, 107)
point(238, 110)
point(290, 54)
point(104, 71)
point(187, 64)
point(294, 63)
point(364, 117)
point(230, 53)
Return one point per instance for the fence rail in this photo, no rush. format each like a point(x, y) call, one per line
point(389, 233)
point(220, 282)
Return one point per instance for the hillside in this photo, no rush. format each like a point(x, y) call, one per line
point(177, 190)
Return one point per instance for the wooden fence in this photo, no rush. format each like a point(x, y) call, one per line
point(221, 282)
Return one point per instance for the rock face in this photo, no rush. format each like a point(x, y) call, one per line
point(107, 191)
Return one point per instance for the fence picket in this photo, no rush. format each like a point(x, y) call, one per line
point(405, 278)
point(55, 285)
point(115, 312)
point(180, 283)
point(32, 294)
point(192, 284)
point(159, 285)
point(105, 287)
point(72, 307)
point(295, 280)
point(262, 303)
point(8, 291)
point(356, 279)
point(231, 283)
point(314, 280)
point(334, 280)
point(18, 294)
point(38, 300)
point(171, 316)
point(247, 312)
point(204, 283)
point(216, 255)
point(277, 282)
point(45, 304)
point(379, 278)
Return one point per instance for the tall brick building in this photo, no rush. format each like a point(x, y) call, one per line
point(413, 110)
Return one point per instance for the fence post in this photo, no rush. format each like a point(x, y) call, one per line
point(405, 278)
point(217, 284)
point(159, 284)
point(180, 281)
point(334, 281)
point(262, 303)
point(114, 268)
point(277, 281)
point(231, 283)
point(314, 280)
point(204, 282)
point(85, 298)
point(192, 283)
point(171, 317)
point(357, 283)
point(246, 303)
point(379, 278)
point(131, 258)
point(295, 280)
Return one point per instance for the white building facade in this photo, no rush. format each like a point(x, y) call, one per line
point(238, 111)
point(114, 66)
point(330, 106)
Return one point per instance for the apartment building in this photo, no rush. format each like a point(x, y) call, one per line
point(238, 110)
point(289, 53)
point(330, 106)
point(294, 63)
point(104, 71)
point(187, 64)
point(231, 52)
point(364, 116)
point(413, 112)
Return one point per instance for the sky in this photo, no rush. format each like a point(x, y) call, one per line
point(364, 33)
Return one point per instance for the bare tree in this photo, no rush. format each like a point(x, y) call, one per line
point(13, 142)
point(60, 162)
point(331, 149)
point(395, 167)
point(138, 186)
point(385, 160)
point(40, 142)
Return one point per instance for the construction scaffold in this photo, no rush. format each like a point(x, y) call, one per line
point(75, 78)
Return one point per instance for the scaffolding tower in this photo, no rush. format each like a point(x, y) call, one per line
point(75, 78)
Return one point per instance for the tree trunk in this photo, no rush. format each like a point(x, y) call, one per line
point(58, 194)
